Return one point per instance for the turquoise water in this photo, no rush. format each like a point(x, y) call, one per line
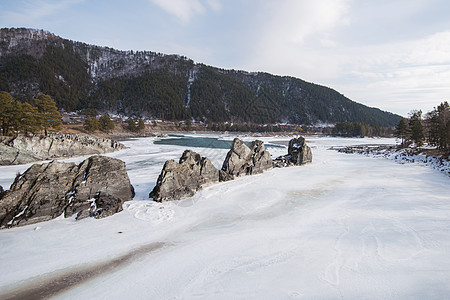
point(202, 142)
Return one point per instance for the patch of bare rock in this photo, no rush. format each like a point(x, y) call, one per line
point(24, 149)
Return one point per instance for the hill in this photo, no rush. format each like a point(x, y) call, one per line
point(171, 87)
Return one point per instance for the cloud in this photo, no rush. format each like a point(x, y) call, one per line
point(312, 40)
point(411, 74)
point(295, 20)
point(36, 11)
point(185, 10)
point(295, 36)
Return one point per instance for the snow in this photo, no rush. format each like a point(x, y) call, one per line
point(191, 79)
point(345, 226)
point(402, 156)
point(18, 215)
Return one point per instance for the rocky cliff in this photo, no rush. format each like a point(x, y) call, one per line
point(97, 187)
point(22, 149)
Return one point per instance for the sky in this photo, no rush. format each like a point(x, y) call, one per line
point(390, 54)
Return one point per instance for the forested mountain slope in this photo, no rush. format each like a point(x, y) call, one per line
point(144, 83)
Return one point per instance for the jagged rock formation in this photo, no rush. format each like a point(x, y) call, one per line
point(193, 172)
point(22, 149)
point(298, 154)
point(183, 179)
point(97, 187)
point(242, 160)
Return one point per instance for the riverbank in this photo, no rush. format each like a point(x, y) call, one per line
point(429, 157)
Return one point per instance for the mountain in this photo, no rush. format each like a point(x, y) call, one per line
point(144, 83)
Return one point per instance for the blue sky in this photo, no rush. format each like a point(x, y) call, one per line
point(391, 54)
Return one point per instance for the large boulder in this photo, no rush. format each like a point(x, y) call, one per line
point(298, 154)
point(183, 179)
point(97, 187)
point(242, 160)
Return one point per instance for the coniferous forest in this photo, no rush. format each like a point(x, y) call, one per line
point(170, 87)
point(432, 128)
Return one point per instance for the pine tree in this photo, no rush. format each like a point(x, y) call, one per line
point(188, 124)
point(105, 123)
point(16, 118)
point(401, 131)
point(415, 125)
point(443, 125)
point(6, 111)
point(91, 124)
point(132, 125)
point(50, 117)
point(30, 121)
point(140, 125)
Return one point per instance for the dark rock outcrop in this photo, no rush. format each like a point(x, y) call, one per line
point(298, 154)
point(22, 149)
point(96, 187)
point(242, 160)
point(183, 179)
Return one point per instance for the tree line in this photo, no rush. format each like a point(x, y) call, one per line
point(359, 129)
point(17, 117)
point(432, 128)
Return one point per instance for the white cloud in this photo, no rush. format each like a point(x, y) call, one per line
point(296, 34)
point(185, 10)
point(295, 20)
point(411, 74)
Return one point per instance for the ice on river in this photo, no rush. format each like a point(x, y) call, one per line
point(345, 226)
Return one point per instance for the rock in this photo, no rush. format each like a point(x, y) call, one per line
point(183, 179)
point(101, 178)
point(23, 149)
point(242, 160)
point(237, 160)
point(298, 154)
point(11, 156)
point(97, 187)
point(224, 176)
point(261, 159)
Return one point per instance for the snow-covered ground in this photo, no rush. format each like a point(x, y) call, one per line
point(345, 226)
point(404, 155)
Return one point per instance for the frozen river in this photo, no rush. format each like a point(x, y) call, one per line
point(343, 227)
